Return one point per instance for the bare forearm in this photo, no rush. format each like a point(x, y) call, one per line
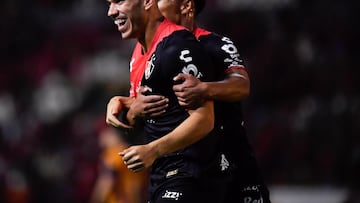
point(195, 127)
point(230, 89)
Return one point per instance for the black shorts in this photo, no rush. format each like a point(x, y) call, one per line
point(189, 190)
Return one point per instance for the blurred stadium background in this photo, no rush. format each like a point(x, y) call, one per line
point(61, 61)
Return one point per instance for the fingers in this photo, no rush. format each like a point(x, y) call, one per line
point(179, 82)
point(154, 99)
point(156, 108)
point(179, 87)
point(144, 90)
point(114, 121)
point(180, 76)
point(136, 167)
point(114, 107)
point(129, 156)
point(132, 160)
point(152, 105)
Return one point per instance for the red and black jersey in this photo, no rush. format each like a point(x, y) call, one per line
point(228, 115)
point(174, 50)
point(139, 59)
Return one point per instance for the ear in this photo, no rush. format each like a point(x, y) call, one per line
point(149, 3)
point(187, 6)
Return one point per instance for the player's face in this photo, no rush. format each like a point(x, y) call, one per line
point(171, 10)
point(127, 15)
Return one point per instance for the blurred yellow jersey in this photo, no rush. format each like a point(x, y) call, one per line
point(128, 187)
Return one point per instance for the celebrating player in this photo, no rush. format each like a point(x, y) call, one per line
point(180, 146)
point(233, 85)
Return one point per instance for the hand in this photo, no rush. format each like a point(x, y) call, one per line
point(148, 106)
point(114, 107)
point(191, 92)
point(139, 157)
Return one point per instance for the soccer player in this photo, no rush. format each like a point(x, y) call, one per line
point(233, 85)
point(181, 145)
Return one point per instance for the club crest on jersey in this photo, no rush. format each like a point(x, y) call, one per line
point(149, 67)
point(131, 64)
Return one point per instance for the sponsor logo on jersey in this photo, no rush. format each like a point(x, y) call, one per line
point(190, 68)
point(251, 200)
point(171, 195)
point(231, 50)
point(172, 173)
point(251, 188)
point(256, 195)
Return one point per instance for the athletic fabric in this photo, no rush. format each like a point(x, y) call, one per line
point(242, 164)
point(174, 50)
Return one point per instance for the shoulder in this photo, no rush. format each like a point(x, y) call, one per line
point(169, 32)
point(178, 41)
point(221, 49)
point(214, 39)
point(181, 38)
point(214, 42)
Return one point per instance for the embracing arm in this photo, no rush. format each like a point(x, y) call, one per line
point(235, 87)
point(192, 92)
point(195, 127)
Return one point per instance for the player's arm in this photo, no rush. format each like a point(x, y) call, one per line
point(234, 87)
point(194, 128)
point(191, 92)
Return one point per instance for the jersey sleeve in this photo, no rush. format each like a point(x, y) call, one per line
point(182, 53)
point(223, 52)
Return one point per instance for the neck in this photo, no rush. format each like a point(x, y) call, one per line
point(188, 21)
point(189, 24)
point(153, 20)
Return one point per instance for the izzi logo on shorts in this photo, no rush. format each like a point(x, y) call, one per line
point(171, 195)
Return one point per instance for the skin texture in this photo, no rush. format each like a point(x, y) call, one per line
point(124, 10)
point(140, 19)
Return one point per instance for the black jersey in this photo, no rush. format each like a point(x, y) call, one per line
point(228, 115)
point(175, 51)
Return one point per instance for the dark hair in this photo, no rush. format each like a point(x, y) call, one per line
point(199, 6)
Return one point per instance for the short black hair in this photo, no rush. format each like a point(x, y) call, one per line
point(199, 6)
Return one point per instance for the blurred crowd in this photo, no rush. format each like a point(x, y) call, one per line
point(61, 61)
